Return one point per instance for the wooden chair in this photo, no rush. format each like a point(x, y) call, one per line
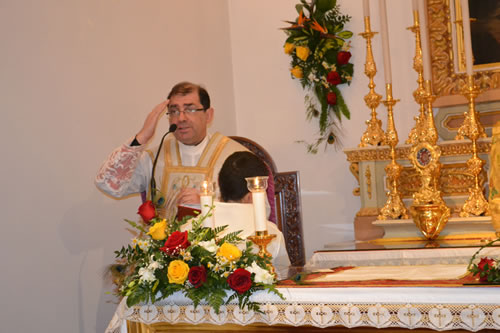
point(287, 203)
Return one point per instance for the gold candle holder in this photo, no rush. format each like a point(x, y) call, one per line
point(374, 135)
point(394, 208)
point(420, 93)
point(476, 203)
point(262, 239)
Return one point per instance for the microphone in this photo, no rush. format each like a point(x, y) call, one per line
point(171, 129)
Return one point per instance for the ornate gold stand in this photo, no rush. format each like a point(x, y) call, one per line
point(428, 210)
point(419, 95)
point(475, 204)
point(394, 208)
point(262, 239)
point(374, 135)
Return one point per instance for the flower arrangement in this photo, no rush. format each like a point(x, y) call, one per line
point(320, 60)
point(201, 263)
point(487, 269)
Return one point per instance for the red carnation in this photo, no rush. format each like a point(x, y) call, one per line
point(197, 276)
point(333, 78)
point(176, 241)
point(147, 211)
point(240, 280)
point(331, 98)
point(343, 57)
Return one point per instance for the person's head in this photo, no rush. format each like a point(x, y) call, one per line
point(237, 167)
point(191, 126)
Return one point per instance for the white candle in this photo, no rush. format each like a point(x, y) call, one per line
point(414, 4)
point(366, 8)
point(259, 208)
point(206, 203)
point(385, 42)
point(467, 37)
point(424, 38)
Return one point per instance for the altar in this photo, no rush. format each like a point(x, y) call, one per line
point(442, 303)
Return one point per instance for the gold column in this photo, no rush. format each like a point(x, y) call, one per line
point(475, 204)
point(374, 135)
point(394, 207)
point(420, 94)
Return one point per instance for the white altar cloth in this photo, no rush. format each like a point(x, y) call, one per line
point(469, 308)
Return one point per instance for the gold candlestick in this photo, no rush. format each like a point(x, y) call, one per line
point(394, 208)
point(471, 91)
point(420, 94)
point(262, 239)
point(475, 204)
point(374, 135)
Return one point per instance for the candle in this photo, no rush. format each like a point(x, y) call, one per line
point(385, 42)
point(206, 202)
point(467, 37)
point(366, 8)
point(424, 38)
point(414, 4)
point(259, 209)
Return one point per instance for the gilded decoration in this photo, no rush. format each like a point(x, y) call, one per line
point(446, 81)
point(354, 168)
point(402, 152)
point(368, 176)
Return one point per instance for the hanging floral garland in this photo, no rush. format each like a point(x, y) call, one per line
point(320, 60)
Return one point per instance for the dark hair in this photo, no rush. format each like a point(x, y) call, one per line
point(237, 167)
point(184, 88)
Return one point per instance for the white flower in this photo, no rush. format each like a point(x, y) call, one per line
point(325, 64)
point(146, 274)
point(346, 46)
point(209, 245)
point(261, 275)
point(155, 265)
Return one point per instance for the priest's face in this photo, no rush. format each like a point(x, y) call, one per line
point(191, 126)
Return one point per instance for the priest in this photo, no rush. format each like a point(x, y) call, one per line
point(187, 158)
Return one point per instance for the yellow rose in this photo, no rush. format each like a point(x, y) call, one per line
point(177, 272)
point(303, 52)
point(157, 231)
point(289, 47)
point(229, 251)
point(297, 72)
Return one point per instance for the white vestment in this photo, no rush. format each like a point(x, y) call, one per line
point(128, 169)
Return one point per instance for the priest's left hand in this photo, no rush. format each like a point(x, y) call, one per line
point(189, 196)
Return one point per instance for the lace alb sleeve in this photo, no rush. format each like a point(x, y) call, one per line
point(125, 171)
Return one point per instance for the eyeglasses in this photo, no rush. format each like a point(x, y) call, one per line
point(175, 112)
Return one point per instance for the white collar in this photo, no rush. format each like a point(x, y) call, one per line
point(194, 150)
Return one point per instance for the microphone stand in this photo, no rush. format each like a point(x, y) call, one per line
point(171, 129)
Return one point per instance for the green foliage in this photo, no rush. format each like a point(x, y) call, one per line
point(320, 28)
point(490, 272)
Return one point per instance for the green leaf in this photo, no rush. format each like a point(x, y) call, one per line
point(345, 34)
point(325, 5)
point(299, 8)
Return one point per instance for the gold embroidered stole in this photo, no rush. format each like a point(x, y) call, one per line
point(176, 176)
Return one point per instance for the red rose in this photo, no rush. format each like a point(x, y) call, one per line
point(482, 268)
point(197, 276)
point(333, 78)
point(240, 280)
point(176, 241)
point(331, 98)
point(147, 211)
point(343, 57)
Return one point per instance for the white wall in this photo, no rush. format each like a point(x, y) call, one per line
point(78, 78)
point(270, 105)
